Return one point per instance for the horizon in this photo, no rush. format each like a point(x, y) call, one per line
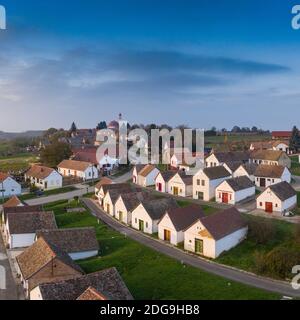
point(202, 65)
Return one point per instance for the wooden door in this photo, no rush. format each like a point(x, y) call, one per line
point(167, 235)
point(198, 246)
point(175, 191)
point(141, 225)
point(225, 197)
point(107, 208)
point(269, 207)
point(121, 216)
point(262, 182)
point(160, 187)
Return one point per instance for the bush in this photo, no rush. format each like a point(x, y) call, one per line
point(261, 231)
point(297, 234)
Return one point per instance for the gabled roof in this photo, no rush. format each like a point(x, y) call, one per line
point(156, 208)
point(133, 199)
point(71, 240)
point(91, 294)
point(139, 168)
point(30, 222)
point(232, 156)
point(13, 202)
point(283, 190)
point(115, 193)
point(167, 175)
point(233, 165)
point(267, 171)
point(184, 217)
point(88, 155)
point(34, 258)
point(146, 170)
point(218, 172)
point(39, 172)
point(271, 155)
point(102, 182)
point(23, 209)
point(223, 223)
point(74, 165)
point(239, 183)
point(3, 176)
point(107, 282)
point(186, 178)
point(249, 168)
point(114, 186)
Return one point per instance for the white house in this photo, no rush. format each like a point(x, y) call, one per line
point(281, 146)
point(235, 190)
point(173, 223)
point(217, 233)
point(44, 178)
point(126, 203)
point(216, 159)
point(146, 176)
point(106, 187)
point(21, 228)
point(279, 197)
point(271, 157)
point(102, 182)
point(162, 179)
point(247, 170)
point(181, 184)
point(78, 243)
point(136, 170)
point(8, 186)
point(78, 169)
point(206, 181)
point(146, 215)
point(276, 145)
point(267, 175)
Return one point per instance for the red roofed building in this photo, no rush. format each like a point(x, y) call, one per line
point(279, 135)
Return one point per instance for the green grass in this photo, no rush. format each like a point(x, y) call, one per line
point(48, 193)
point(207, 209)
point(295, 169)
point(17, 163)
point(148, 274)
point(242, 256)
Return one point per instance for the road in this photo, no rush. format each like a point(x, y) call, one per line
point(11, 291)
point(226, 272)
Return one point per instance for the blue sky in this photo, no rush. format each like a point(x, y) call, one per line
point(203, 63)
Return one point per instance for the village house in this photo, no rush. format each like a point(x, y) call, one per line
point(162, 179)
point(220, 158)
point(78, 243)
point(126, 203)
point(231, 167)
point(276, 145)
point(136, 171)
point(267, 175)
point(181, 184)
point(21, 228)
point(206, 181)
point(146, 215)
point(19, 209)
point(78, 169)
point(102, 182)
point(106, 283)
point(211, 235)
point(173, 223)
point(271, 157)
point(280, 197)
point(43, 177)
point(8, 186)
point(281, 135)
point(179, 161)
point(42, 263)
point(145, 177)
point(14, 201)
point(106, 187)
point(235, 190)
point(247, 170)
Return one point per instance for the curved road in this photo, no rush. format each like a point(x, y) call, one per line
point(250, 279)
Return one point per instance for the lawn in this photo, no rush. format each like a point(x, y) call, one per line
point(243, 256)
point(148, 274)
point(207, 209)
point(295, 166)
point(17, 163)
point(48, 193)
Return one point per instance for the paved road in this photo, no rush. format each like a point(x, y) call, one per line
point(124, 178)
point(11, 291)
point(210, 267)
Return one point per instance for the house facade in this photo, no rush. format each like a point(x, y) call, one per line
point(220, 158)
point(247, 170)
point(145, 177)
point(206, 181)
point(181, 185)
point(162, 179)
point(267, 175)
point(78, 169)
point(44, 178)
point(8, 186)
point(271, 157)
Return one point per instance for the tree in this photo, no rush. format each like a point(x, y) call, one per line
point(236, 129)
point(295, 140)
point(254, 129)
point(101, 125)
point(261, 231)
point(54, 153)
point(73, 128)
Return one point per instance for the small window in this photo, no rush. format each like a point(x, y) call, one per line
point(203, 183)
point(198, 182)
point(146, 224)
point(260, 204)
point(135, 220)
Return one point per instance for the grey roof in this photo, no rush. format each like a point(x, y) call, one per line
point(21, 209)
point(283, 190)
point(224, 223)
point(250, 168)
point(218, 172)
point(71, 240)
point(157, 208)
point(184, 217)
point(233, 165)
point(232, 156)
point(268, 171)
point(186, 178)
point(133, 199)
point(114, 194)
point(167, 175)
point(108, 282)
point(240, 183)
point(30, 222)
point(115, 186)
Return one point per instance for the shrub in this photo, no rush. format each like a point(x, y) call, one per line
point(261, 231)
point(297, 234)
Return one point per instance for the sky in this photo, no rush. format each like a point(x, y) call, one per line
point(201, 63)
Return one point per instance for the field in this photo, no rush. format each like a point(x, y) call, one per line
point(148, 274)
point(17, 163)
